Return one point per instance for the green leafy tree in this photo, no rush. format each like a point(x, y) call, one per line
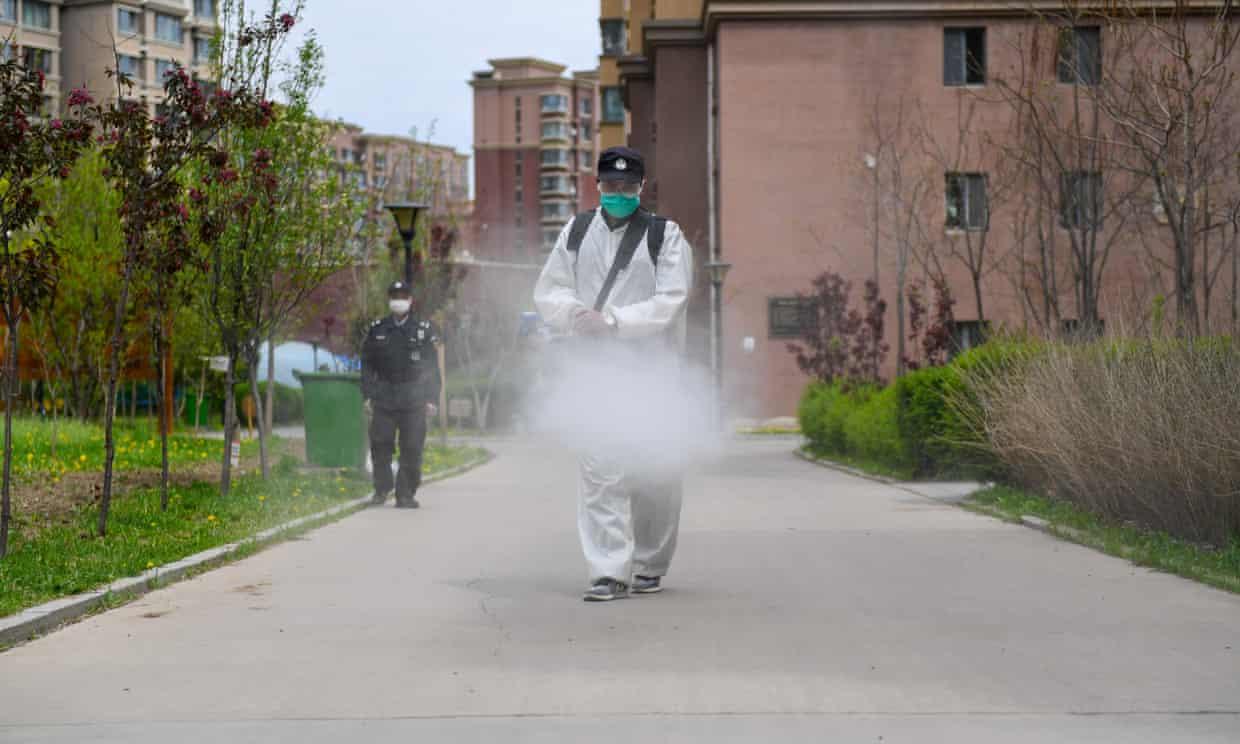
point(70, 333)
point(33, 149)
point(282, 222)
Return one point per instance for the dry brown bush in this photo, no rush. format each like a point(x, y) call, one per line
point(1135, 431)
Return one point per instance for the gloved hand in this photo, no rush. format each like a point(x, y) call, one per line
point(432, 410)
point(368, 407)
point(590, 323)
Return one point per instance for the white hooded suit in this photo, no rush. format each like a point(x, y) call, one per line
point(630, 487)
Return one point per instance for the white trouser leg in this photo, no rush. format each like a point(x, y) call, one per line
point(604, 520)
point(656, 522)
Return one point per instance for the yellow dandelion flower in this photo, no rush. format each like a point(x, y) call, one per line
point(82, 458)
point(210, 517)
point(150, 564)
point(262, 498)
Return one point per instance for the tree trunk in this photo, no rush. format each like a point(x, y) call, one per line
point(165, 415)
point(109, 404)
point(269, 404)
point(263, 432)
point(230, 423)
point(55, 422)
point(10, 373)
point(1235, 289)
point(977, 293)
point(202, 392)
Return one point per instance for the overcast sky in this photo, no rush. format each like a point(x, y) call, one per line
point(397, 64)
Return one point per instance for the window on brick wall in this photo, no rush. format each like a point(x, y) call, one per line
point(967, 207)
point(614, 43)
point(968, 334)
point(8, 10)
point(964, 56)
point(130, 66)
point(1080, 200)
point(36, 14)
point(613, 106)
point(128, 21)
point(168, 28)
point(202, 50)
point(37, 59)
point(163, 68)
point(1080, 55)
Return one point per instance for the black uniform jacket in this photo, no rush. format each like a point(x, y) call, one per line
point(400, 365)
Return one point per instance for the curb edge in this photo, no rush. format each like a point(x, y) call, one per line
point(39, 620)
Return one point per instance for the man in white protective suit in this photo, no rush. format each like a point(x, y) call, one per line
point(618, 282)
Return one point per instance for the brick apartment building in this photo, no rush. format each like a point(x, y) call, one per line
point(757, 122)
point(72, 42)
point(535, 146)
point(400, 168)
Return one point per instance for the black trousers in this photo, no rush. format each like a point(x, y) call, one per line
point(410, 424)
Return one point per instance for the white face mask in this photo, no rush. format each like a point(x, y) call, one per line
point(399, 307)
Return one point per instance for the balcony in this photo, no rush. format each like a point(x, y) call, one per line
point(555, 213)
point(556, 186)
point(557, 131)
point(556, 160)
point(554, 105)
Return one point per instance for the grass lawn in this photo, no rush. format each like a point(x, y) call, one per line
point(79, 448)
point(869, 467)
point(1216, 567)
point(56, 553)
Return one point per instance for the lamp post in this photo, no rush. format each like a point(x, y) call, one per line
point(718, 272)
point(406, 216)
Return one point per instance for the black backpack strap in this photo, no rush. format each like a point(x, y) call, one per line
point(628, 246)
point(654, 241)
point(577, 232)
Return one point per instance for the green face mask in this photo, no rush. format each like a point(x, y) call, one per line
point(619, 205)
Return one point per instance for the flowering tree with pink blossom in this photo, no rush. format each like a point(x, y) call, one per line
point(33, 148)
point(149, 159)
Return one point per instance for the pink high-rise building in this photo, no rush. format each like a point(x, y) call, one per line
point(535, 147)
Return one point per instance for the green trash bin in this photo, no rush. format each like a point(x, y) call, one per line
point(335, 424)
point(196, 415)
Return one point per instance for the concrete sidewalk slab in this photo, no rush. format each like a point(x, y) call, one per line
point(804, 603)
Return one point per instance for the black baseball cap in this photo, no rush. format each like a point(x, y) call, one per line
point(399, 289)
point(621, 164)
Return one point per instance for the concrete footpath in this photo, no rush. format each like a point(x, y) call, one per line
point(805, 604)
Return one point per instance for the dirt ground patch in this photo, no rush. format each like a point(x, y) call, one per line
point(44, 501)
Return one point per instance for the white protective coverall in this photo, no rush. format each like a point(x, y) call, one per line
point(624, 397)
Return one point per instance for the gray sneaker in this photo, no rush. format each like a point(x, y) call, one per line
point(647, 584)
point(605, 590)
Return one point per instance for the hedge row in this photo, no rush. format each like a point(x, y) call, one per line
point(924, 425)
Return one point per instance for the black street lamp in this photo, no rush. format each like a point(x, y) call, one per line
point(718, 272)
point(406, 216)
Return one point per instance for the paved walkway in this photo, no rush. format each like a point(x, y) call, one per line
point(805, 605)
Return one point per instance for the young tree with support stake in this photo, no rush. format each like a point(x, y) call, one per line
point(276, 226)
point(147, 159)
point(33, 149)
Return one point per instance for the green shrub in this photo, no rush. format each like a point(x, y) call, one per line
point(822, 413)
point(871, 430)
point(289, 402)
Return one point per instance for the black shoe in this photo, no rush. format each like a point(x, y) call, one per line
point(647, 584)
point(378, 499)
point(605, 590)
point(409, 503)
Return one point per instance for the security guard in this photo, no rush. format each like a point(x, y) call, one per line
point(400, 382)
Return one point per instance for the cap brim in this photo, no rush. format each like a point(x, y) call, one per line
point(613, 176)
